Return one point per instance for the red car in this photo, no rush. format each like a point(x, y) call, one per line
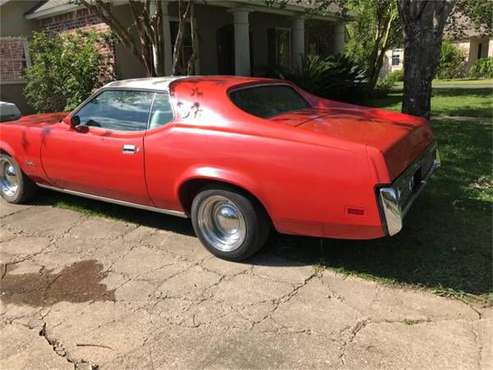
point(238, 155)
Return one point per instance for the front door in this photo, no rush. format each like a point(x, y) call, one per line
point(226, 50)
point(104, 155)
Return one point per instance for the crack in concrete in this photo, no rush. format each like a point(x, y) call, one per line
point(479, 344)
point(16, 212)
point(28, 257)
point(61, 351)
point(277, 302)
point(353, 332)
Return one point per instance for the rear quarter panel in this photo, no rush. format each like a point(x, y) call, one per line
point(306, 188)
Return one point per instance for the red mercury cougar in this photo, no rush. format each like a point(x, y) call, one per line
point(238, 155)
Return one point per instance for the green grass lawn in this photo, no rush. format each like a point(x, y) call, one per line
point(473, 98)
point(463, 83)
point(446, 243)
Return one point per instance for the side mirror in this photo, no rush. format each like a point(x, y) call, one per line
point(75, 121)
point(69, 120)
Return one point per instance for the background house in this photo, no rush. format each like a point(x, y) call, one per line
point(475, 44)
point(393, 61)
point(235, 37)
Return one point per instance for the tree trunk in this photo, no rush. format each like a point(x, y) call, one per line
point(143, 37)
point(422, 23)
point(194, 35)
point(182, 19)
point(382, 50)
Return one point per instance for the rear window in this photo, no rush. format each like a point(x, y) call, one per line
point(268, 100)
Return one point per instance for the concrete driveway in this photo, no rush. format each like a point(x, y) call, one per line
point(85, 292)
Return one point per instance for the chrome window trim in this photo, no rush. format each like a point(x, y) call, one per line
point(116, 201)
point(172, 106)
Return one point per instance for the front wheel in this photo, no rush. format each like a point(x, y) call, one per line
point(15, 186)
point(230, 224)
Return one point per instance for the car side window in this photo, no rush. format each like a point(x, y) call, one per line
point(161, 112)
point(119, 110)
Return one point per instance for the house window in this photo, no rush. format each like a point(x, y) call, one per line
point(396, 57)
point(279, 42)
point(187, 44)
point(14, 58)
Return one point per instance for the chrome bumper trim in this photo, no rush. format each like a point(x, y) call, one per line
point(391, 202)
point(116, 201)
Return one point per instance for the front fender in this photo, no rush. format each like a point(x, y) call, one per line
point(4, 147)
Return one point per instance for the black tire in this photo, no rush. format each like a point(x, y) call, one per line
point(25, 186)
point(257, 222)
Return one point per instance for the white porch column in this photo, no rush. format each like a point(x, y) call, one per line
point(339, 33)
point(298, 35)
point(167, 50)
point(242, 41)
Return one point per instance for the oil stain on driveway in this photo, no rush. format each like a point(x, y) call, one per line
point(80, 291)
point(77, 283)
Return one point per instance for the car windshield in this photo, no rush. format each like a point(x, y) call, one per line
point(267, 101)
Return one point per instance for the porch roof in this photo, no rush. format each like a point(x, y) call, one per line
point(49, 8)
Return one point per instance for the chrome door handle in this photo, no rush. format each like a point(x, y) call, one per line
point(129, 149)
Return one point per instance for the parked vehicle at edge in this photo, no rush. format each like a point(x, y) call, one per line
point(9, 111)
point(238, 155)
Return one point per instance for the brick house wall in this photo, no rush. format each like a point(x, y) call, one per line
point(79, 19)
point(14, 52)
point(84, 20)
point(14, 58)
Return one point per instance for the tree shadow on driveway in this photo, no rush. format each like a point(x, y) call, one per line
point(441, 246)
point(447, 250)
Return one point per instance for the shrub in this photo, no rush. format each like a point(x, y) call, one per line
point(65, 69)
point(332, 77)
point(397, 75)
point(385, 84)
point(482, 68)
point(452, 62)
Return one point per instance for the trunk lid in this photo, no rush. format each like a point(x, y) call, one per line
point(399, 137)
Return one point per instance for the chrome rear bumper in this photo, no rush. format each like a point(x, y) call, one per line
point(396, 200)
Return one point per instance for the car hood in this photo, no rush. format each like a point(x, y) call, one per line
point(39, 119)
point(399, 137)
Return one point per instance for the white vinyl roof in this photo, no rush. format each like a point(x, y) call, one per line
point(149, 83)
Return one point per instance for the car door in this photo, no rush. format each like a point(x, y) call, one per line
point(104, 154)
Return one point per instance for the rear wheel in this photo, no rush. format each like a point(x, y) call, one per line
point(229, 224)
point(15, 186)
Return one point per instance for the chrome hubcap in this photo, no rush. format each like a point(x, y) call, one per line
point(9, 180)
point(222, 223)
